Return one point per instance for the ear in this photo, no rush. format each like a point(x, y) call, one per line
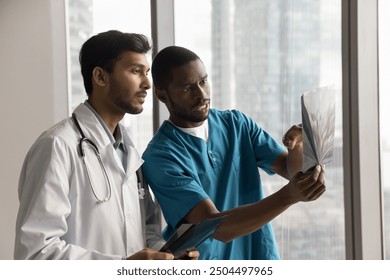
point(99, 76)
point(161, 94)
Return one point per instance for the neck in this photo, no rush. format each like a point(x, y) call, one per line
point(111, 120)
point(183, 124)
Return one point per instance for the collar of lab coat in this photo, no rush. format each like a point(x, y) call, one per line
point(94, 130)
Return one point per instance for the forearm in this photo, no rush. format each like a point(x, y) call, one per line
point(246, 219)
point(288, 163)
point(249, 218)
point(294, 161)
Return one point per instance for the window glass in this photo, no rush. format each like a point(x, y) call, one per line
point(261, 56)
point(384, 97)
point(89, 17)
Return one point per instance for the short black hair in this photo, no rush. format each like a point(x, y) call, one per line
point(103, 50)
point(168, 58)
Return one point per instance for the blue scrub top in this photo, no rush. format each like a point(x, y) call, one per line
point(183, 170)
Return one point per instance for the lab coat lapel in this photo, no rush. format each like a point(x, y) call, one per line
point(93, 130)
point(134, 160)
point(91, 127)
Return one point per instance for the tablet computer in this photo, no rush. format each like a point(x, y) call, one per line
point(190, 236)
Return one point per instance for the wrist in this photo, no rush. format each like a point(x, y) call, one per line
point(286, 196)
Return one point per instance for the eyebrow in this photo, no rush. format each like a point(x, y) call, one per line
point(138, 65)
point(184, 83)
point(143, 67)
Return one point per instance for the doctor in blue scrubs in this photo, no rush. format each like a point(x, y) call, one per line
point(203, 163)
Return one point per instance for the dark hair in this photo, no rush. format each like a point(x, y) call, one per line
point(169, 58)
point(103, 50)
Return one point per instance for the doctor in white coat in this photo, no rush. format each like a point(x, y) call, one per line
point(82, 195)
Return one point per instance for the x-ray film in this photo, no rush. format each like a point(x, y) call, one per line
point(318, 123)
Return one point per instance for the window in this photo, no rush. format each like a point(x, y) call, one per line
point(89, 17)
point(261, 57)
point(384, 98)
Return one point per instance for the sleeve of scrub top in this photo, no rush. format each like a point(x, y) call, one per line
point(266, 149)
point(44, 206)
point(169, 176)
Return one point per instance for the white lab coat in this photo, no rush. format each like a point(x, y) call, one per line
point(60, 218)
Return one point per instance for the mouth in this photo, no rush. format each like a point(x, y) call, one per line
point(202, 106)
point(141, 96)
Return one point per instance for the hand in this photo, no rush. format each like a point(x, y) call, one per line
point(189, 254)
point(149, 254)
point(308, 186)
point(293, 137)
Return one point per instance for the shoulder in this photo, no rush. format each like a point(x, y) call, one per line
point(59, 138)
point(168, 148)
point(230, 117)
point(226, 114)
point(165, 139)
point(61, 131)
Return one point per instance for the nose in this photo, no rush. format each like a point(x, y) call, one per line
point(202, 92)
point(146, 84)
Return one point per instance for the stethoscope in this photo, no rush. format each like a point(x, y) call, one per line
point(86, 141)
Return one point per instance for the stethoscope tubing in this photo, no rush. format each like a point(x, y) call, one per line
point(82, 153)
point(84, 139)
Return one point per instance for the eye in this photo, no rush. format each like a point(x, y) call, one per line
point(136, 70)
point(187, 88)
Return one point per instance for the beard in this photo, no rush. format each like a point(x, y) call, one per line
point(195, 118)
point(120, 98)
point(127, 106)
point(188, 114)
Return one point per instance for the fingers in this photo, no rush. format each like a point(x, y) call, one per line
point(189, 254)
point(317, 193)
point(312, 185)
point(193, 254)
point(162, 256)
point(149, 254)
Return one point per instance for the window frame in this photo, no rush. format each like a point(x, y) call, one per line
point(163, 35)
point(362, 183)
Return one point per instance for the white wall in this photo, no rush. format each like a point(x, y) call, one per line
point(33, 88)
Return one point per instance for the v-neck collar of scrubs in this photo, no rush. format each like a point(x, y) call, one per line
point(201, 131)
